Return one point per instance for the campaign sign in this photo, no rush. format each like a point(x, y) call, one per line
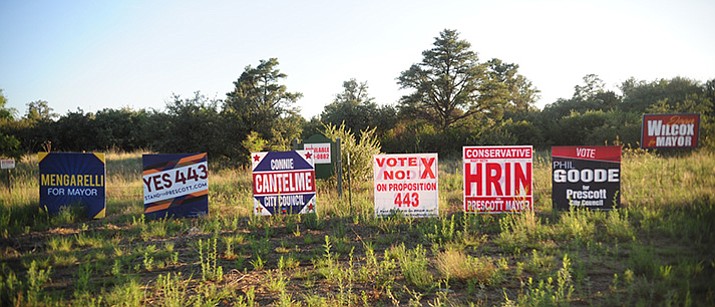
point(72, 179)
point(321, 152)
point(326, 154)
point(283, 182)
point(7, 164)
point(175, 185)
point(670, 131)
point(406, 183)
point(586, 177)
point(497, 179)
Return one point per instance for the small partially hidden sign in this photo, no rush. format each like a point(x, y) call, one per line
point(586, 177)
point(283, 182)
point(670, 131)
point(175, 185)
point(72, 179)
point(321, 152)
point(326, 154)
point(7, 164)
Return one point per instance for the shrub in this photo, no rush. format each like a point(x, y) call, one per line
point(360, 151)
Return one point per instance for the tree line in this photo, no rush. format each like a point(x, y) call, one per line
point(454, 99)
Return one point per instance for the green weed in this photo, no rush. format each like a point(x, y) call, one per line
point(208, 257)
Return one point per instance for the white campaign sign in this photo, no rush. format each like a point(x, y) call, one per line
point(321, 152)
point(7, 164)
point(175, 182)
point(406, 183)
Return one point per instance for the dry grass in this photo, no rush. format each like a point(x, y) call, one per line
point(455, 264)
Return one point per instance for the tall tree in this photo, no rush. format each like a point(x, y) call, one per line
point(592, 85)
point(638, 96)
point(40, 111)
point(509, 89)
point(260, 103)
point(5, 112)
point(191, 125)
point(589, 96)
point(450, 84)
point(9, 145)
point(446, 83)
point(354, 107)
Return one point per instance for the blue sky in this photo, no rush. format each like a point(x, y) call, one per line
point(113, 54)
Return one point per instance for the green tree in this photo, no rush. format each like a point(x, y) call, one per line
point(638, 96)
point(74, 131)
point(35, 130)
point(190, 125)
point(40, 110)
point(589, 96)
point(123, 129)
point(445, 84)
point(357, 110)
point(5, 112)
point(450, 84)
point(592, 86)
point(9, 144)
point(509, 89)
point(260, 102)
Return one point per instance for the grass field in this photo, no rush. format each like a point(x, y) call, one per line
point(658, 249)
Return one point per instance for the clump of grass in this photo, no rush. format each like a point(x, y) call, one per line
point(540, 264)
point(127, 294)
point(618, 226)
point(520, 231)
point(455, 264)
point(414, 266)
point(578, 225)
point(59, 244)
point(547, 292)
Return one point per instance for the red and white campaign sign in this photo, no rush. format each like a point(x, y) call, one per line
point(670, 131)
point(321, 152)
point(497, 179)
point(406, 183)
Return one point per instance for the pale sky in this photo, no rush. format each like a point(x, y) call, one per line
point(111, 54)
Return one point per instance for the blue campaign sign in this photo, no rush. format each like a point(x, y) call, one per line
point(175, 185)
point(73, 179)
point(283, 182)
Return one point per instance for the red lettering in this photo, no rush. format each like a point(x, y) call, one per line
point(427, 163)
point(397, 174)
point(522, 178)
point(470, 178)
point(493, 171)
point(399, 161)
point(493, 179)
point(507, 183)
